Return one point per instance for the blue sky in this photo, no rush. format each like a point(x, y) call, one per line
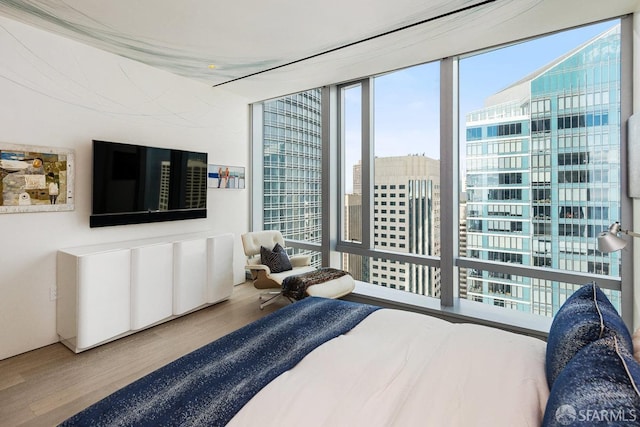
point(407, 101)
point(515, 62)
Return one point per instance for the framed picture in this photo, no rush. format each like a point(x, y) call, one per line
point(35, 179)
point(221, 176)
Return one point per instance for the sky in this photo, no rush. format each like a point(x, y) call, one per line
point(407, 101)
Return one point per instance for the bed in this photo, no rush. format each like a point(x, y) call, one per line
point(324, 362)
point(406, 369)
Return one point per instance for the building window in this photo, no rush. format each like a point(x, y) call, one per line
point(558, 118)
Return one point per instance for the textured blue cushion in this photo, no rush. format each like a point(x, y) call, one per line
point(585, 317)
point(277, 259)
point(598, 387)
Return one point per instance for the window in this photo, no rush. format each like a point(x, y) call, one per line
point(539, 172)
point(401, 122)
point(292, 168)
point(504, 130)
point(562, 204)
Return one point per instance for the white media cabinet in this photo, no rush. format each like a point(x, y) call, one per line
point(111, 290)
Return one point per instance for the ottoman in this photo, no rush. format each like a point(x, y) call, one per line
point(324, 282)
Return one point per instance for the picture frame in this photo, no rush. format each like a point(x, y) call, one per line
point(226, 177)
point(36, 178)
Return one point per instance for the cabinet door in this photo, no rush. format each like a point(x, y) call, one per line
point(219, 267)
point(151, 284)
point(189, 274)
point(103, 296)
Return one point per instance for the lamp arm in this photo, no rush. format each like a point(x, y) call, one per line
point(630, 233)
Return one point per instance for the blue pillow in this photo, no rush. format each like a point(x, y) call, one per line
point(585, 317)
point(277, 259)
point(599, 386)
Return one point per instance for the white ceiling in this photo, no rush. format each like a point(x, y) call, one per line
point(263, 49)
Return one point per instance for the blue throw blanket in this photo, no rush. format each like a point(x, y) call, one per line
point(208, 386)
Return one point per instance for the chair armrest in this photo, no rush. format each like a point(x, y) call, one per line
point(258, 267)
point(300, 260)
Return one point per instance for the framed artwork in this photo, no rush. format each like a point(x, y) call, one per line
point(35, 179)
point(221, 176)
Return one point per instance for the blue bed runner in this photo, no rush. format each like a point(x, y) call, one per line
point(208, 386)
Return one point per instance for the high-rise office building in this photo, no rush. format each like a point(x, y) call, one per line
point(406, 220)
point(463, 273)
point(543, 177)
point(293, 166)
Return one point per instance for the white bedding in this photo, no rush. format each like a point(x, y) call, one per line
point(406, 369)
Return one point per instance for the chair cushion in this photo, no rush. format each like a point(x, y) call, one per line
point(277, 259)
point(252, 241)
point(279, 277)
point(336, 288)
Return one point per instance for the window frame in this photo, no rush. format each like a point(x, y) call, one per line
point(333, 246)
point(449, 260)
point(366, 248)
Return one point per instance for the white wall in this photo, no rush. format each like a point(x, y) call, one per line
point(55, 92)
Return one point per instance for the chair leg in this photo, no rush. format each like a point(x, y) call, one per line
point(270, 296)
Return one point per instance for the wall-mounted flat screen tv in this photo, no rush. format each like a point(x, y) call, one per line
point(135, 184)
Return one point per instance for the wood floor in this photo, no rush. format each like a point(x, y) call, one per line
point(46, 386)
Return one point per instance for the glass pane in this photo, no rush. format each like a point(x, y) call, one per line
point(357, 265)
point(401, 276)
point(351, 123)
point(540, 159)
point(542, 297)
point(316, 257)
point(407, 176)
point(407, 166)
point(293, 166)
point(414, 278)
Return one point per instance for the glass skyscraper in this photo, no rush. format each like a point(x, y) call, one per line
point(543, 177)
point(293, 166)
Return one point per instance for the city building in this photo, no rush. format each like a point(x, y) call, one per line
point(292, 167)
point(406, 220)
point(543, 177)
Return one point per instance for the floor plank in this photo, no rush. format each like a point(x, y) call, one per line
point(46, 386)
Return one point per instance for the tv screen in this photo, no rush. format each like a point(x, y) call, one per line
point(135, 184)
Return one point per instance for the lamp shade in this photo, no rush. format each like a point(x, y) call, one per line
point(609, 241)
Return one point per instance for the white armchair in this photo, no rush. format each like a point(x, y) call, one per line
point(261, 274)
